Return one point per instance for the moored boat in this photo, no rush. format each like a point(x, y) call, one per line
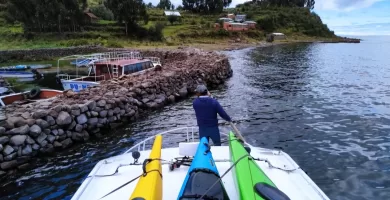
point(43, 66)
point(21, 75)
point(115, 175)
point(25, 67)
point(33, 95)
point(105, 66)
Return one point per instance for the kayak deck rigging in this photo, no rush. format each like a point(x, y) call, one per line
point(111, 173)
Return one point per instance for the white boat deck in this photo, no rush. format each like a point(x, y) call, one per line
point(289, 178)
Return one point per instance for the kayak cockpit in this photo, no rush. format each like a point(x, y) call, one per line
point(201, 186)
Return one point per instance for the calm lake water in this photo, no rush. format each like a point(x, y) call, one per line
point(326, 105)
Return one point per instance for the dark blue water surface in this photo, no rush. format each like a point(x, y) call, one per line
point(326, 105)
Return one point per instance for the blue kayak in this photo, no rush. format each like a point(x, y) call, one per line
point(201, 176)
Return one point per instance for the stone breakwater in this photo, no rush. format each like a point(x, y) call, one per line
point(48, 126)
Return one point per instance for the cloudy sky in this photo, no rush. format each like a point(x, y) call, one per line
point(346, 17)
point(355, 17)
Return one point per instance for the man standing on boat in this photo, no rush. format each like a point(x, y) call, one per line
point(206, 110)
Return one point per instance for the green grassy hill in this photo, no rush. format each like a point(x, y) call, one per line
point(296, 23)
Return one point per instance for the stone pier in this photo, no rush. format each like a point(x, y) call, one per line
point(48, 126)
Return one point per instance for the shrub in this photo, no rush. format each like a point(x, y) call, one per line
point(102, 12)
point(113, 44)
point(155, 32)
point(173, 18)
point(193, 22)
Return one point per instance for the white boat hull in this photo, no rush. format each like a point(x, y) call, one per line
point(19, 76)
point(295, 184)
point(77, 86)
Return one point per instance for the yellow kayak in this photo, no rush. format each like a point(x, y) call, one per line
point(149, 187)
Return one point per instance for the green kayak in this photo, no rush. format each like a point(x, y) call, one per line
point(247, 172)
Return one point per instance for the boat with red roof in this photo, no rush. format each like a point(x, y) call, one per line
point(106, 66)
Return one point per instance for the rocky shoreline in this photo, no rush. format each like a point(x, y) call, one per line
point(48, 126)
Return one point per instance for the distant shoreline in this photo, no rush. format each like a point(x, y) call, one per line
point(35, 55)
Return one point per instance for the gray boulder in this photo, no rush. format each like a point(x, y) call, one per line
point(117, 110)
point(41, 138)
point(20, 131)
point(36, 147)
point(27, 150)
point(79, 128)
point(94, 114)
point(54, 132)
point(50, 120)
point(77, 136)
point(42, 123)
point(171, 99)
point(76, 112)
point(110, 113)
point(30, 122)
point(72, 125)
point(64, 118)
point(8, 165)
point(66, 143)
point(91, 105)
point(183, 92)
point(39, 114)
point(57, 144)
point(51, 138)
point(4, 139)
point(29, 140)
point(35, 130)
point(8, 150)
point(1, 147)
point(18, 140)
point(61, 132)
point(83, 108)
point(82, 119)
point(53, 113)
point(103, 113)
point(101, 103)
point(11, 156)
point(43, 143)
point(7, 124)
point(93, 121)
point(2, 130)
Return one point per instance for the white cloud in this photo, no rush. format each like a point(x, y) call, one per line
point(344, 5)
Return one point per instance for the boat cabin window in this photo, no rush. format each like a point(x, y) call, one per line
point(133, 68)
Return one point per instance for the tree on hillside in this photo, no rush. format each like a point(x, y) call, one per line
point(102, 12)
point(179, 7)
point(287, 3)
point(128, 11)
point(150, 5)
point(47, 15)
point(173, 18)
point(164, 4)
point(205, 6)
